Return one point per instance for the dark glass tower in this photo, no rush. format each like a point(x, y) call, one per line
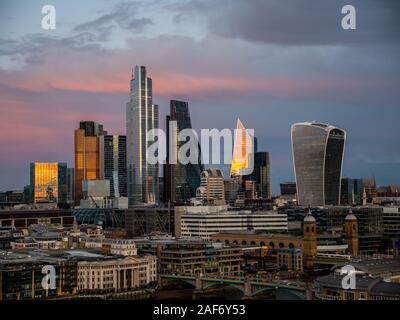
point(318, 151)
point(62, 182)
point(113, 164)
point(288, 188)
point(261, 174)
point(351, 191)
point(180, 181)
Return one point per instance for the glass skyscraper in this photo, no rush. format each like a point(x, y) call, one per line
point(351, 191)
point(49, 181)
point(181, 180)
point(113, 163)
point(318, 151)
point(261, 174)
point(141, 116)
point(87, 154)
point(243, 146)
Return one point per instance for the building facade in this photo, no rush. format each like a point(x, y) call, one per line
point(70, 186)
point(113, 165)
point(243, 147)
point(318, 151)
point(141, 117)
point(375, 279)
point(180, 180)
point(204, 221)
point(352, 192)
point(49, 181)
point(212, 188)
point(21, 279)
point(369, 225)
point(193, 256)
point(391, 229)
point(288, 188)
point(87, 154)
point(261, 175)
point(116, 274)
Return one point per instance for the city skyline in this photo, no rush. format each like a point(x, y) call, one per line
point(318, 77)
point(176, 153)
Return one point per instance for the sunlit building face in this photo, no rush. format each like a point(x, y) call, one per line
point(45, 181)
point(87, 154)
point(243, 147)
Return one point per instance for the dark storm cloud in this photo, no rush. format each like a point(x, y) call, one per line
point(123, 15)
point(271, 63)
point(32, 49)
point(300, 22)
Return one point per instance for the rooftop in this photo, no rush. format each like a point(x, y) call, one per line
point(365, 283)
point(375, 266)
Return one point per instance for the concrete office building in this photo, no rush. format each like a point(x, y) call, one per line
point(212, 189)
point(204, 221)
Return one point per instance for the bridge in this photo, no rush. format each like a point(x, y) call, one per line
point(249, 287)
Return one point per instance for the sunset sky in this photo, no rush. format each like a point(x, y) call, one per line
point(269, 62)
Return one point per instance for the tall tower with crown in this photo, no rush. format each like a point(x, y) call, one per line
point(351, 233)
point(309, 239)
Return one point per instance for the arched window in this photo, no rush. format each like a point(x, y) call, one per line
point(271, 244)
point(253, 243)
point(244, 242)
point(291, 245)
point(262, 243)
point(281, 245)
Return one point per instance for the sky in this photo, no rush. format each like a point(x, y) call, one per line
point(270, 62)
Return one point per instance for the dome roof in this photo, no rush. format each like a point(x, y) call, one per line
point(309, 217)
point(350, 216)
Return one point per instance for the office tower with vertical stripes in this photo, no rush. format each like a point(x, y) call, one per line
point(113, 163)
point(87, 154)
point(318, 151)
point(141, 117)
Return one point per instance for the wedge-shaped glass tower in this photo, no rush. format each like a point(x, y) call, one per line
point(243, 149)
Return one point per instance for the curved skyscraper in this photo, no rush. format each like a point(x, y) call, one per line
point(180, 180)
point(318, 151)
